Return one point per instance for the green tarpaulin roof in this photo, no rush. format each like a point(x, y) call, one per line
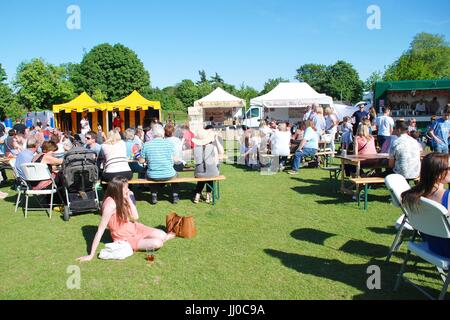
point(382, 87)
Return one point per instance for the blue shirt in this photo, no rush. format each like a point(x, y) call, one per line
point(95, 147)
point(26, 156)
point(441, 129)
point(312, 139)
point(159, 156)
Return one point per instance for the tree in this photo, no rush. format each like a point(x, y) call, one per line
point(203, 78)
point(271, 84)
point(166, 96)
point(217, 80)
point(428, 58)
point(313, 74)
point(344, 82)
point(187, 92)
point(115, 70)
point(247, 93)
point(99, 96)
point(40, 85)
point(374, 77)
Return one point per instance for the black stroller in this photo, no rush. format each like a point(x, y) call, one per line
point(80, 182)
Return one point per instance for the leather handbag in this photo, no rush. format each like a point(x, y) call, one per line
point(183, 227)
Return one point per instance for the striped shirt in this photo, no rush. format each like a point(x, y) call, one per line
point(159, 156)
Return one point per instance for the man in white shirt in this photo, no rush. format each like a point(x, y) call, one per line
point(385, 126)
point(405, 153)
point(421, 107)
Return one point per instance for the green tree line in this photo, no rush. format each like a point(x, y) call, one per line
point(111, 72)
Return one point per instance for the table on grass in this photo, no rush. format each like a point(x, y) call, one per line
point(356, 160)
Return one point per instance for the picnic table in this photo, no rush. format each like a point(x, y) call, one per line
point(356, 160)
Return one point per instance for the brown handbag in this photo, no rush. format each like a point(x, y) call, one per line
point(183, 227)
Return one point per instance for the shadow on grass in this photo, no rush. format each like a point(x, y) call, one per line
point(354, 247)
point(354, 275)
point(89, 235)
point(312, 235)
point(388, 230)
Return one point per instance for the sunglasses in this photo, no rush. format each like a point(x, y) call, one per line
point(88, 138)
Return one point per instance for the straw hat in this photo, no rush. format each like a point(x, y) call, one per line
point(203, 137)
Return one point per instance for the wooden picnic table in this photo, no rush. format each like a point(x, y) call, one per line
point(356, 161)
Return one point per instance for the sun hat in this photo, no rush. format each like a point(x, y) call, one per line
point(203, 137)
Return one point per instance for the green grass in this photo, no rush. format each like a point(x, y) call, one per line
point(270, 237)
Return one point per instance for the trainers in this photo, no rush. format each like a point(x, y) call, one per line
point(292, 172)
point(154, 199)
point(197, 198)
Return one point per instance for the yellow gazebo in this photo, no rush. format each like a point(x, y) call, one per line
point(82, 103)
point(129, 106)
point(98, 113)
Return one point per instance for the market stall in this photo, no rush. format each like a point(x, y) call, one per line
point(217, 108)
point(68, 115)
point(415, 98)
point(134, 110)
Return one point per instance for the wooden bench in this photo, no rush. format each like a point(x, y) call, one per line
point(366, 182)
point(214, 185)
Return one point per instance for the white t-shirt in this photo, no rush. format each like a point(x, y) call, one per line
point(385, 124)
point(85, 128)
point(280, 143)
point(115, 155)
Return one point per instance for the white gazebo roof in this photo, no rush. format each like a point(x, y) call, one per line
point(292, 95)
point(219, 98)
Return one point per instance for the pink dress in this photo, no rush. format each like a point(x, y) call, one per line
point(128, 231)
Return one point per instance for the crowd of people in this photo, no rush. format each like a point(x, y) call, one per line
point(281, 139)
point(157, 152)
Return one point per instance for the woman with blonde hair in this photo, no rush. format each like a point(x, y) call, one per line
point(114, 153)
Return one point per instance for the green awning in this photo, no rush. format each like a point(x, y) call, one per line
point(382, 87)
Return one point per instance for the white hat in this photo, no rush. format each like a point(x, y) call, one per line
point(203, 137)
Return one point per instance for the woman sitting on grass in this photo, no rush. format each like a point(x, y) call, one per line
point(434, 176)
point(120, 215)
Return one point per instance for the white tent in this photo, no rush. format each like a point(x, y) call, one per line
point(219, 98)
point(292, 95)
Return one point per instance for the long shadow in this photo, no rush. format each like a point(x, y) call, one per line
point(388, 230)
point(362, 248)
point(312, 235)
point(89, 235)
point(354, 275)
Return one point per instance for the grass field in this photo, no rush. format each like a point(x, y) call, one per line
point(270, 237)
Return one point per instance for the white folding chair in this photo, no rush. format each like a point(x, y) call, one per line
point(397, 184)
point(36, 172)
point(20, 184)
point(431, 218)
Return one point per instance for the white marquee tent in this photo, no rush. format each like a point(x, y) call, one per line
point(219, 98)
point(292, 95)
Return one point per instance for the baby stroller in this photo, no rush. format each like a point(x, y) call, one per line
point(80, 182)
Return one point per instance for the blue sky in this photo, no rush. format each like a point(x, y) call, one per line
point(246, 41)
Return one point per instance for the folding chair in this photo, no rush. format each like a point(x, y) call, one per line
point(20, 184)
point(397, 184)
point(36, 172)
point(431, 218)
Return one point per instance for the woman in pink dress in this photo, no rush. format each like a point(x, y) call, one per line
point(119, 215)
